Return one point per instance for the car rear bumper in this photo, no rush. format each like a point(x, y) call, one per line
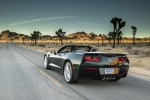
point(98, 71)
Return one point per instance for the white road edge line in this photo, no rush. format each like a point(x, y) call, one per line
point(50, 78)
point(140, 77)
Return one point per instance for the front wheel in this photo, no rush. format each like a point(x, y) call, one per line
point(46, 62)
point(68, 75)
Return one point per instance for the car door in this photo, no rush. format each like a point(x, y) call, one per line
point(59, 57)
point(62, 56)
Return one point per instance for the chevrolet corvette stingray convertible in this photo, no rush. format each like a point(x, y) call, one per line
point(76, 62)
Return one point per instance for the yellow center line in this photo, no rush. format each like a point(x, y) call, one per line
point(50, 78)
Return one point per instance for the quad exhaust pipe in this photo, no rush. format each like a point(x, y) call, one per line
point(108, 77)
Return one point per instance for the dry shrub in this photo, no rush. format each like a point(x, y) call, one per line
point(42, 45)
point(148, 44)
point(24, 43)
point(136, 52)
point(147, 53)
point(138, 63)
point(143, 52)
point(48, 46)
point(129, 47)
point(31, 44)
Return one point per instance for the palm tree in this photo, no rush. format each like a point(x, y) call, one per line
point(61, 35)
point(118, 24)
point(134, 33)
point(110, 34)
point(120, 39)
point(23, 38)
point(11, 39)
point(40, 37)
point(119, 36)
point(102, 38)
point(35, 36)
point(98, 41)
point(66, 40)
point(106, 37)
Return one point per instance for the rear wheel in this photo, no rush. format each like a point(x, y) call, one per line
point(68, 75)
point(46, 62)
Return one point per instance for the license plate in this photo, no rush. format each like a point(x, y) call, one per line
point(109, 70)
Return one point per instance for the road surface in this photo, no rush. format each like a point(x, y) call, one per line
point(23, 77)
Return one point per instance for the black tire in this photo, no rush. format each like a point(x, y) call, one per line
point(46, 63)
point(68, 75)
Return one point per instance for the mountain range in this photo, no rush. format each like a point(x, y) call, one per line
point(7, 35)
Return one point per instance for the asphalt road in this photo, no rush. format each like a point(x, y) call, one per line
point(23, 77)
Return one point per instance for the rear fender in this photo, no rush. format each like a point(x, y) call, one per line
point(75, 62)
point(77, 66)
point(67, 60)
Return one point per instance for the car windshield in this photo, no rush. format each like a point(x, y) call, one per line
point(66, 49)
point(74, 48)
point(83, 48)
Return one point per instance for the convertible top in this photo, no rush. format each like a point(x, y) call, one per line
point(76, 47)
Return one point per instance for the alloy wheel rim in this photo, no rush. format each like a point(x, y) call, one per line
point(45, 62)
point(68, 72)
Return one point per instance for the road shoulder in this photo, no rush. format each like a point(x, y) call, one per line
point(139, 73)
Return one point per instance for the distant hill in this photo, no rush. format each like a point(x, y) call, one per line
point(82, 35)
point(46, 37)
point(12, 35)
point(7, 35)
point(76, 34)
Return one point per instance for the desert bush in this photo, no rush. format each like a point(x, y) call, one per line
point(129, 47)
point(48, 46)
point(41, 45)
point(148, 44)
point(105, 44)
point(136, 52)
point(147, 53)
point(133, 50)
point(31, 44)
point(24, 43)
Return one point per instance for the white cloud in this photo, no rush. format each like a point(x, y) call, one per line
point(86, 24)
point(41, 19)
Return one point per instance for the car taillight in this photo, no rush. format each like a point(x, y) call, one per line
point(90, 69)
point(89, 58)
point(122, 58)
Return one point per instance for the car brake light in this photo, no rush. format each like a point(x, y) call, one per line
point(90, 69)
point(89, 58)
point(122, 58)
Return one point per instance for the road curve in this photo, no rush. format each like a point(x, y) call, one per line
point(23, 77)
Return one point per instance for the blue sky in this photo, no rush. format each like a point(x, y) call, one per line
point(47, 16)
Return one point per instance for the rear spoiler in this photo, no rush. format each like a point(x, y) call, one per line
point(103, 54)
